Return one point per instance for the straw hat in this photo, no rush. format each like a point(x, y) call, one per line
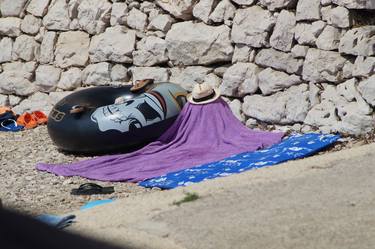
point(203, 94)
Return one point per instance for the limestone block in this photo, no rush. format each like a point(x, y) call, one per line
point(213, 80)
point(97, 74)
point(119, 73)
point(244, 2)
point(271, 81)
point(161, 22)
point(224, 11)
point(37, 101)
point(308, 10)
point(47, 48)
point(251, 26)
point(10, 26)
point(278, 4)
point(367, 89)
point(25, 48)
point(72, 49)
point(285, 107)
point(158, 74)
point(243, 53)
point(136, 19)
point(240, 79)
point(47, 77)
point(339, 17)
point(70, 79)
point(358, 41)
point(329, 39)
point(14, 100)
point(279, 61)
point(16, 78)
point(4, 100)
point(191, 43)
point(150, 51)
point(6, 47)
point(31, 24)
point(179, 9)
point(355, 4)
point(38, 7)
point(323, 65)
point(283, 33)
point(115, 44)
point(306, 33)
point(12, 7)
point(347, 70)
point(189, 76)
point(147, 7)
point(57, 17)
point(94, 15)
point(118, 14)
point(203, 9)
point(236, 108)
point(299, 51)
point(364, 66)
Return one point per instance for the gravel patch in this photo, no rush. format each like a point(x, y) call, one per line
point(26, 189)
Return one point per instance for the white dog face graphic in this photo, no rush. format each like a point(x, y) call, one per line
point(133, 114)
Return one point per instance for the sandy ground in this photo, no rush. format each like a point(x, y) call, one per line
point(324, 201)
point(24, 188)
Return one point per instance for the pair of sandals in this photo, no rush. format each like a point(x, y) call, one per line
point(92, 189)
point(32, 120)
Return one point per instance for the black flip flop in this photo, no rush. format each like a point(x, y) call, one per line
point(92, 189)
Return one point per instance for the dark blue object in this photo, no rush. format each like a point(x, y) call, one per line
point(294, 147)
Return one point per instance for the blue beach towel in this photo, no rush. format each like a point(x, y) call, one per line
point(293, 147)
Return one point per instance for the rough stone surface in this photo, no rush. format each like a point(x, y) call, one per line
point(364, 66)
point(224, 11)
point(299, 51)
point(37, 101)
point(240, 79)
point(47, 47)
point(10, 26)
point(94, 15)
point(97, 74)
point(4, 100)
point(339, 17)
point(25, 47)
point(251, 26)
point(306, 34)
point(38, 7)
point(11, 7)
point(157, 73)
point(203, 9)
point(6, 47)
point(179, 9)
point(161, 22)
point(308, 10)
point(57, 17)
point(16, 77)
point(283, 33)
point(150, 51)
point(31, 24)
point(119, 73)
point(358, 41)
point(72, 49)
point(136, 19)
point(279, 60)
point(198, 44)
point(329, 39)
point(243, 53)
point(281, 108)
point(323, 65)
point(271, 81)
point(70, 79)
point(47, 77)
point(236, 107)
point(189, 76)
point(115, 44)
point(367, 89)
point(336, 113)
point(118, 14)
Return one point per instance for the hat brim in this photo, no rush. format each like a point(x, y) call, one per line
point(215, 97)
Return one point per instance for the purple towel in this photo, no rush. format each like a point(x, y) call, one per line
point(201, 134)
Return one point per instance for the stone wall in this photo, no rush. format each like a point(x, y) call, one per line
point(305, 64)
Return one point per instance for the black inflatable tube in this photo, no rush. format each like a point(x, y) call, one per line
point(96, 130)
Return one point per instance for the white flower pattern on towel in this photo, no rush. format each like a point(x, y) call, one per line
point(293, 147)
